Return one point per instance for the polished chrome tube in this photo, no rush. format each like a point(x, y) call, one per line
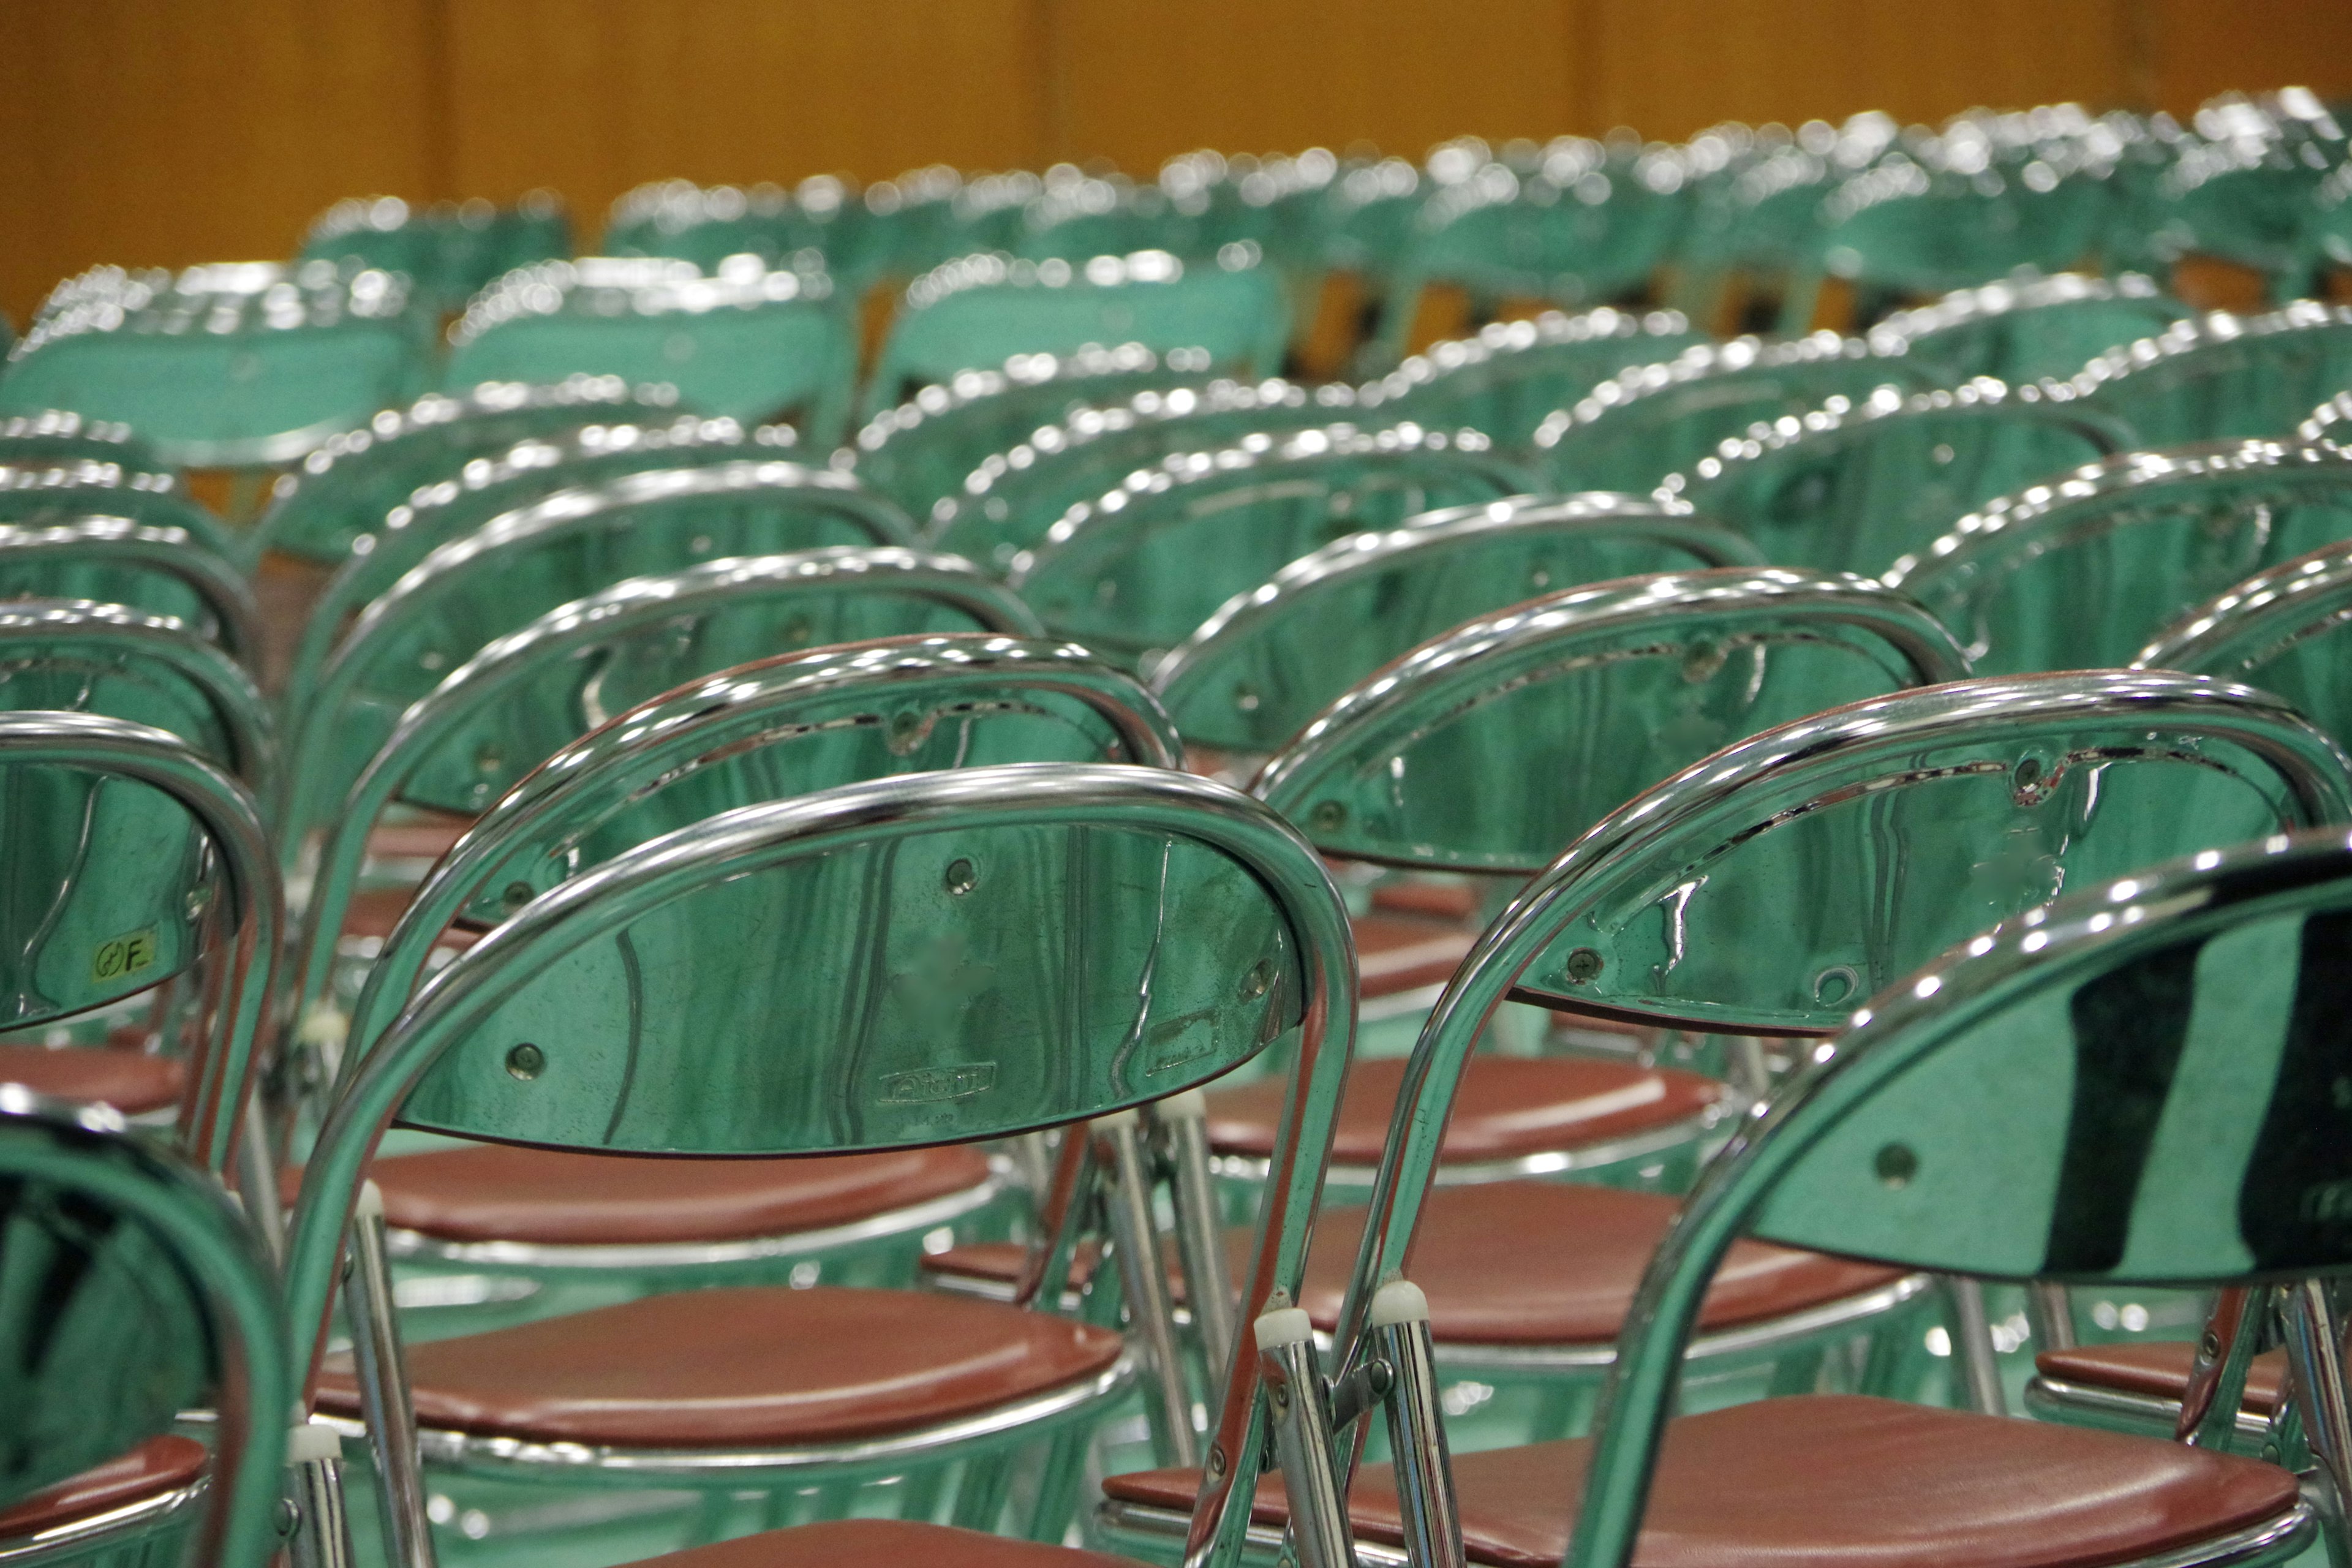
point(1287, 1365)
point(383, 1390)
point(2315, 1348)
point(1972, 1343)
point(1399, 1335)
point(1200, 1238)
point(319, 1533)
point(2050, 1311)
point(1144, 1280)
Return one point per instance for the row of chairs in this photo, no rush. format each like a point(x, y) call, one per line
point(1405, 768)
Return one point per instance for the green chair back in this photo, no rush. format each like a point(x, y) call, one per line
point(1632, 430)
point(449, 250)
point(1007, 500)
point(1133, 572)
point(1908, 229)
point(231, 366)
point(66, 489)
point(528, 693)
point(1507, 378)
point(131, 859)
point(771, 730)
point(137, 1291)
point(982, 310)
point(1078, 215)
point(2224, 376)
point(918, 453)
point(2079, 573)
point(464, 498)
point(2281, 629)
point(1272, 657)
point(475, 588)
point(746, 343)
point(54, 436)
point(821, 218)
point(343, 491)
point(156, 570)
point(2023, 329)
point(2246, 195)
point(1486, 749)
point(1857, 483)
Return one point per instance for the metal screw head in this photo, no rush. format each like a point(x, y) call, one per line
point(1701, 661)
point(289, 1518)
point(1280, 1396)
point(488, 760)
point(1583, 965)
point(1256, 984)
point(798, 630)
point(526, 1061)
point(1216, 1460)
point(1836, 984)
point(961, 878)
point(1897, 1164)
point(1245, 699)
point(516, 896)
point(2210, 1345)
point(1328, 816)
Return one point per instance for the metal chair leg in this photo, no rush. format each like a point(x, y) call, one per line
point(1302, 1438)
point(1399, 1335)
point(1208, 1285)
point(2315, 1348)
point(1136, 1239)
point(1972, 1346)
point(319, 1531)
point(383, 1390)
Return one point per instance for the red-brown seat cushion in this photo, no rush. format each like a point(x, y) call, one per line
point(1506, 1107)
point(1836, 1478)
point(421, 836)
point(2158, 1368)
point(493, 1191)
point(132, 1082)
point(1400, 952)
point(771, 1367)
point(882, 1544)
point(1527, 1263)
point(157, 1466)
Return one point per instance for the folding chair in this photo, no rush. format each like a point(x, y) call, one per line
point(1510, 375)
point(70, 489)
point(54, 436)
point(154, 570)
point(449, 250)
point(2223, 376)
point(2021, 330)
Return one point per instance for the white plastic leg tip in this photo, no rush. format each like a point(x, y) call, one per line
point(310, 1440)
point(371, 1202)
point(1399, 1302)
point(1191, 1105)
point(1285, 1326)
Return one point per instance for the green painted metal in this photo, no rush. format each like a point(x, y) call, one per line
point(472, 589)
point(159, 571)
point(463, 498)
point(67, 489)
point(138, 1291)
point(1858, 483)
point(744, 342)
point(918, 453)
point(1509, 377)
point(1136, 571)
point(1632, 430)
point(2223, 377)
point(771, 730)
point(1488, 748)
point(1274, 657)
point(449, 250)
point(1010, 498)
point(980, 311)
point(1957, 217)
point(2282, 630)
point(2023, 329)
point(2080, 571)
point(57, 435)
point(229, 366)
point(129, 856)
point(1770, 886)
point(343, 491)
point(527, 694)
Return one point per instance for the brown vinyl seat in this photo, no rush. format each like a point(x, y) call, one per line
point(1834, 1479)
point(498, 1192)
point(755, 1367)
point(2158, 1369)
point(1507, 1108)
point(1576, 1255)
point(158, 1465)
point(898, 1542)
point(133, 1081)
point(1400, 952)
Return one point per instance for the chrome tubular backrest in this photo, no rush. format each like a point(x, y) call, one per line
point(1136, 571)
point(483, 488)
point(2023, 329)
point(2079, 571)
point(1633, 429)
point(60, 436)
point(919, 451)
point(1488, 748)
point(136, 1290)
point(127, 856)
point(1510, 375)
point(342, 489)
point(946, 956)
point(537, 558)
point(2280, 630)
point(526, 695)
point(1271, 657)
point(2224, 376)
point(2331, 421)
point(2130, 1086)
point(76, 657)
point(63, 492)
point(1856, 483)
point(1005, 503)
point(770, 730)
point(117, 561)
point(1769, 887)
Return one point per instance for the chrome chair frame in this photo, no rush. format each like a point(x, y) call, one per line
point(170, 553)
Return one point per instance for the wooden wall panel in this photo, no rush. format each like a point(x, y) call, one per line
point(2201, 47)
